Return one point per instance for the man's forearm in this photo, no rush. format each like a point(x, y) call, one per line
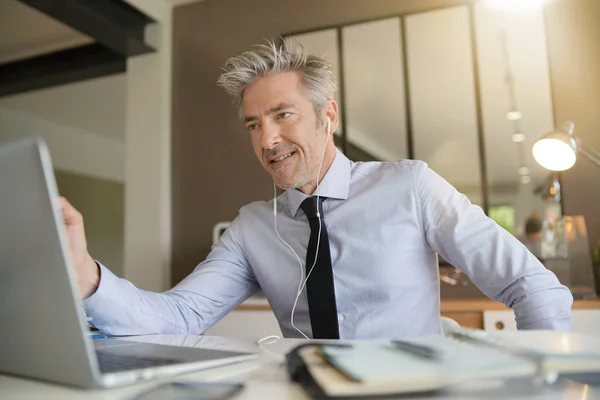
point(194, 305)
point(548, 308)
point(119, 308)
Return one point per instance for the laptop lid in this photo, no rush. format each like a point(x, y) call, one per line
point(43, 330)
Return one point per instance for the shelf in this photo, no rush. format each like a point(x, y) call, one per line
point(446, 306)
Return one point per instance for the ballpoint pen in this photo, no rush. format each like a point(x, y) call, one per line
point(418, 350)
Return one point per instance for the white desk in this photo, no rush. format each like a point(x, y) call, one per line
point(265, 378)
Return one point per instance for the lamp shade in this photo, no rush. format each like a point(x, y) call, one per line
point(556, 151)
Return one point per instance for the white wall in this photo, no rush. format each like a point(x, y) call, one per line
point(147, 250)
point(116, 128)
point(83, 124)
point(71, 149)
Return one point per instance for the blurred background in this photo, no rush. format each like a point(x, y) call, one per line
point(154, 155)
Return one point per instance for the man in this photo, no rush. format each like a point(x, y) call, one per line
point(367, 239)
point(533, 235)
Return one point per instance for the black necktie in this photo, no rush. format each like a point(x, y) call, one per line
point(320, 290)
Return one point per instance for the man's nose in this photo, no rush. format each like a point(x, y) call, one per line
point(270, 135)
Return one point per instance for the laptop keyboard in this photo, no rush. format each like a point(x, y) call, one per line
point(111, 362)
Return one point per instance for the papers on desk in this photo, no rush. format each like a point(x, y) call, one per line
point(382, 368)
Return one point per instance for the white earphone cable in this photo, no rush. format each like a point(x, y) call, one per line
point(297, 258)
point(303, 281)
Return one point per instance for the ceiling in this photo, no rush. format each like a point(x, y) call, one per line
point(18, 40)
point(96, 106)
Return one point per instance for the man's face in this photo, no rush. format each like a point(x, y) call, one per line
point(283, 126)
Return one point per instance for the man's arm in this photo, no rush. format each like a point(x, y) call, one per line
point(215, 287)
point(499, 264)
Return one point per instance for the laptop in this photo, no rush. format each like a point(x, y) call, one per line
point(44, 334)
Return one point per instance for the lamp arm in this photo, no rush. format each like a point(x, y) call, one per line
point(590, 154)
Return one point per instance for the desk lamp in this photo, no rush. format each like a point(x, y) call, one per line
point(557, 151)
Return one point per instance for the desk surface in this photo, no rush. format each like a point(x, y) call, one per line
point(266, 378)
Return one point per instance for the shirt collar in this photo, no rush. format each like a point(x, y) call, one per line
point(335, 183)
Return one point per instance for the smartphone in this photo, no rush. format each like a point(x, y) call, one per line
point(191, 390)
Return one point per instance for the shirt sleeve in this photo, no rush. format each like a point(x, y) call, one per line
point(497, 263)
point(214, 288)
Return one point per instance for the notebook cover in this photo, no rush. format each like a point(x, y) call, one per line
point(299, 372)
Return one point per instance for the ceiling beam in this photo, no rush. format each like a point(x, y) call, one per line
point(80, 63)
point(113, 23)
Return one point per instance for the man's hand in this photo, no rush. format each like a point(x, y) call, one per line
point(88, 274)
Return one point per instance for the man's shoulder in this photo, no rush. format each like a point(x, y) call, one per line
point(400, 168)
point(259, 212)
point(259, 206)
point(250, 215)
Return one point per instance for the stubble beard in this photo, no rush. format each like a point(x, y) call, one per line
point(299, 178)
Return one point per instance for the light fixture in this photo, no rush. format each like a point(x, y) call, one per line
point(557, 151)
point(523, 171)
point(514, 4)
point(549, 190)
point(518, 137)
point(513, 115)
point(525, 179)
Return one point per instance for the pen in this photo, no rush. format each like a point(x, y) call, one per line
point(417, 349)
point(528, 354)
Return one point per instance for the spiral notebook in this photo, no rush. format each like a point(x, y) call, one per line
point(371, 369)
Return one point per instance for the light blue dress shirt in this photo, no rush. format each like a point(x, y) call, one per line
point(386, 222)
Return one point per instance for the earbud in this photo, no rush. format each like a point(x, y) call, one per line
point(328, 126)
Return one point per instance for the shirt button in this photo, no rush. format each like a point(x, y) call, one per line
point(341, 317)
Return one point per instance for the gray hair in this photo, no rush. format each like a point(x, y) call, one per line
point(316, 73)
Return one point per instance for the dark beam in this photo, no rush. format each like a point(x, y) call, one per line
point(113, 23)
point(85, 62)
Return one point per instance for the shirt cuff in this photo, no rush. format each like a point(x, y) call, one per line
point(556, 324)
point(107, 286)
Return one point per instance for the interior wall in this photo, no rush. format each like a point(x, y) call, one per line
point(148, 208)
point(214, 170)
point(101, 202)
point(573, 30)
point(83, 127)
point(72, 149)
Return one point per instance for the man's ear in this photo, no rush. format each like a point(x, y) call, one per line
point(331, 112)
